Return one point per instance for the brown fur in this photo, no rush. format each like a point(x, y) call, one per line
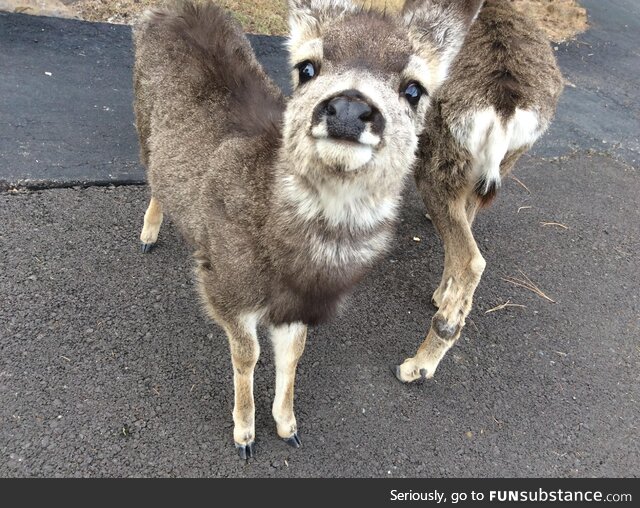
point(283, 219)
point(506, 65)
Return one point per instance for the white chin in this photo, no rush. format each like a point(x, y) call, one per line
point(344, 155)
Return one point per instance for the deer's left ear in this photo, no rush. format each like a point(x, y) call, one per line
point(439, 28)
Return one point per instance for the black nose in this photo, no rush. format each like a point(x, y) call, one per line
point(348, 114)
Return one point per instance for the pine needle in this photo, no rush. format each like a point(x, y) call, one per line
point(513, 177)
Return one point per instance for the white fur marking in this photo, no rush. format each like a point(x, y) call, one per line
point(369, 138)
point(320, 131)
point(418, 69)
point(250, 320)
point(309, 50)
point(340, 203)
point(349, 156)
point(336, 253)
point(488, 140)
point(524, 129)
point(281, 336)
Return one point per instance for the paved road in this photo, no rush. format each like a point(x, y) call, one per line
point(65, 101)
point(107, 367)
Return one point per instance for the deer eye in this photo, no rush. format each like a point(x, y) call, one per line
point(306, 71)
point(413, 93)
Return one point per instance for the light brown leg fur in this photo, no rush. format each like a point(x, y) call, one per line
point(288, 344)
point(463, 268)
point(152, 223)
point(245, 350)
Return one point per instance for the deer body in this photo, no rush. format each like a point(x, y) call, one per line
point(287, 204)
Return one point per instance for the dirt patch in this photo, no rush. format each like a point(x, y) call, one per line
point(561, 19)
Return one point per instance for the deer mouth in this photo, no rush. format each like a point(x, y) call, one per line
point(344, 154)
point(365, 138)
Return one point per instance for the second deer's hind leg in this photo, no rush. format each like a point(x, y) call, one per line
point(288, 344)
point(472, 205)
point(463, 269)
point(152, 223)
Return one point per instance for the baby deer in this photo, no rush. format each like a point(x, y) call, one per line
point(287, 203)
point(499, 98)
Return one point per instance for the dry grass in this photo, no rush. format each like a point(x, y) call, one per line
point(556, 224)
point(561, 19)
point(256, 16)
point(520, 183)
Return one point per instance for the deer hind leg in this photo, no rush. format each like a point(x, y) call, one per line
point(288, 344)
point(472, 205)
point(463, 269)
point(152, 223)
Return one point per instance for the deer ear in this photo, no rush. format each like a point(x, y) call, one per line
point(439, 28)
point(307, 16)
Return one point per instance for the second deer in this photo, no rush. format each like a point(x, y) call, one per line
point(499, 98)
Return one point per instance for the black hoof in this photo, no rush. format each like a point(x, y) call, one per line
point(293, 441)
point(395, 370)
point(146, 247)
point(246, 451)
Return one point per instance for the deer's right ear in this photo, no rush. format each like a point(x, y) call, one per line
point(306, 17)
point(439, 28)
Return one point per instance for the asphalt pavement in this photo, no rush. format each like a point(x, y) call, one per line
point(109, 368)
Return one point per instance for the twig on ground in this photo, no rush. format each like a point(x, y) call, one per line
point(524, 208)
point(504, 306)
point(527, 284)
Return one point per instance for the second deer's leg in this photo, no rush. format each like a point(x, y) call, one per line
point(288, 344)
point(152, 223)
point(463, 269)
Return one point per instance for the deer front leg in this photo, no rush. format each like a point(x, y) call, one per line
point(288, 344)
point(463, 269)
point(245, 351)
